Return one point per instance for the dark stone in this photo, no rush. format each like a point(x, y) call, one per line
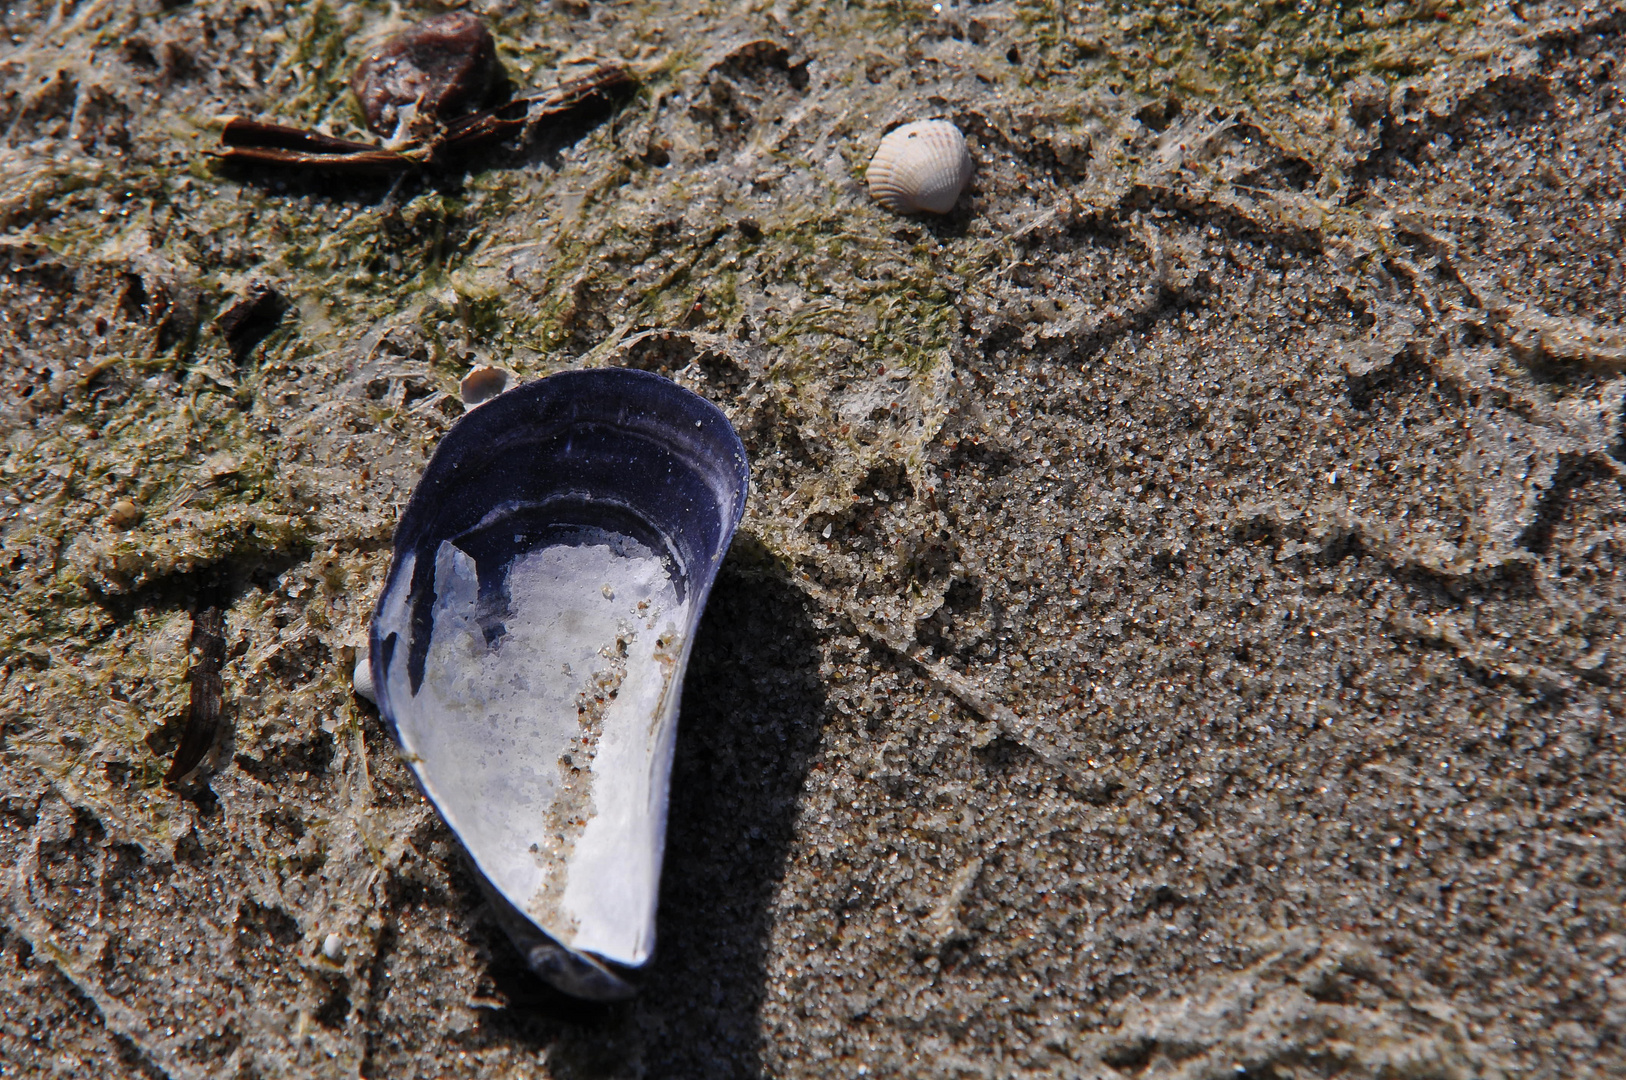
point(247, 322)
point(447, 65)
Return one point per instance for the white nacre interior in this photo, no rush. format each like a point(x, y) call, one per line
point(544, 731)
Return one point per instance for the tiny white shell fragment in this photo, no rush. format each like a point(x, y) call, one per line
point(920, 167)
point(361, 679)
point(333, 947)
point(482, 384)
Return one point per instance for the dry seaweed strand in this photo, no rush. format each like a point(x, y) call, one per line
point(254, 142)
point(259, 143)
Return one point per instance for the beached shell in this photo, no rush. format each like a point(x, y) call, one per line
point(920, 166)
point(124, 514)
point(361, 679)
point(482, 384)
point(529, 647)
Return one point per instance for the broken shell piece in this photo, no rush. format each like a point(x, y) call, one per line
point(441, 67)
point(124, 514)
point(537, 706)
point(920, 167)
point(482, 384)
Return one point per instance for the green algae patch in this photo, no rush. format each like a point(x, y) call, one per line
point(198, 488)
point(318, 49)
point(1287, 64)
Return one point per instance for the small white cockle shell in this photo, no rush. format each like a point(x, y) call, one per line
point(361, 679)
point(920, 166)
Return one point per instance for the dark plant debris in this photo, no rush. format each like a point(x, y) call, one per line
point(253, 142)
point(207, 648)
point(417, 88)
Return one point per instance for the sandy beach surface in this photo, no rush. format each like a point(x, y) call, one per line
point(1176, 631)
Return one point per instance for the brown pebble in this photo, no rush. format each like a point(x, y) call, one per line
point(123, 514)
point(446, 65)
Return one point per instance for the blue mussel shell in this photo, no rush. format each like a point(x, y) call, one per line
point(528, 649)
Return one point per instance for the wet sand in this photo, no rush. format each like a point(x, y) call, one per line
point(1176, 631)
